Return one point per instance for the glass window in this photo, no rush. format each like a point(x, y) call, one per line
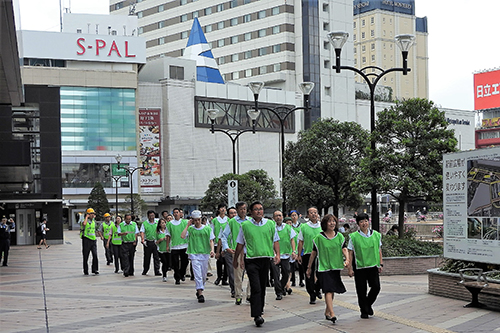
point(373, 46)
point(161, 8)
point(263, 51)
point(220, 25)
point(208, 28)
point(354, 37)
point(247, 18)
point(372, 33)
point(363, 22)
point(354, 25)
point(98, 119)
point(184, 18)
point(276, 29)
point(263, 69)
point(87, 175)
point(246, 1)
point(261, 14)
point(234, 39)
point(176, 72)
point(372, 20)
point(363, 48)
point(161, 24)
point(277, 48)
point(234, 21)
point(277, 67)
point(222, 60)
point(220, 7)
point(195, 14)
point(248, 36)
point(236, 75)
point(325, 7)
point(364, 60)
point(275, 11)
point(184, 35)
point(161, 40)
point(326, 64)
point(355, 50)
point(373, 57)
point(262, 32)
point(248, 73)
point(235, 57)
point(220, 42)
point(183, 2)
point(233, 3)
point(208, 11)
point(248, 54)
point(326, 26)
point(363, 35)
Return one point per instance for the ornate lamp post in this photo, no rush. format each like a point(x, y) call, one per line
point(306, 88)
point(213, 114)
point(130, 172)
point(338, 39)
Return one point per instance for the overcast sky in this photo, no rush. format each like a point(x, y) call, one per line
point(462, 39)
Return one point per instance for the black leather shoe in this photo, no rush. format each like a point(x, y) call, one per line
point(217, 281)
point(289, 291)
point(301, 284)
point(258, 321)
point(318, 295)
point(201, 299)
point(279, 297)
point(370, 311)
point(144, 273)
point(158, 274)
point(225, 283)
point(364, 316)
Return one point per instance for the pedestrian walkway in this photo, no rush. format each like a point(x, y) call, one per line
point(109, 302)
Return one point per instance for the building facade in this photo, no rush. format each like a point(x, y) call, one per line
point(375, 25)
point(281, 43)
point(93, 64)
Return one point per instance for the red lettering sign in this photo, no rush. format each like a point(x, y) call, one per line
point(79, 43)
point(126, 51)
point(487, 90)
point(114, 48)
point(99, 44)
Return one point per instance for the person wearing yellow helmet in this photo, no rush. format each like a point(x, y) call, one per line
point(88, 235)
point(103, 233)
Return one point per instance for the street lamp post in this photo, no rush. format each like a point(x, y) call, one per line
point(338, 39)
point(130, 172)
point(116, 179)
point(306, 88)
point(233, 135)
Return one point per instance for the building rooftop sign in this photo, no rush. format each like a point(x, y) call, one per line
point(487, 90)
point(82, 47)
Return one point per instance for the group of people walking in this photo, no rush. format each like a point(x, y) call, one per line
point(243, 240)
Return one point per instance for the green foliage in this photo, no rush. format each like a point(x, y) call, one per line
point(321, 166)
point(252, 186)
point(411, 138)
point(454, 266)
point(392, 246)
point(98, 201)
point(140, 205)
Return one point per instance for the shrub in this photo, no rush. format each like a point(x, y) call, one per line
point(454, 265)
point(392, 246)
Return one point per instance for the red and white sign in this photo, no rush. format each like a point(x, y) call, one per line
point(81, 47)
point(150, 147)
point(487, 90)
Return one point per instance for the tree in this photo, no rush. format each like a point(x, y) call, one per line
point(322, 165)
point(140, 205)
point(98, 201)
point(412, 137)
point(252, 186)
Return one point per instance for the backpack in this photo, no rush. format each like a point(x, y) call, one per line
point(39, 230)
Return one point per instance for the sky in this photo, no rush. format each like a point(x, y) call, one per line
point(462, 39)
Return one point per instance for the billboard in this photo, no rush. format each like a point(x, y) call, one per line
point(150, 147)
point(471, 204)
point(487, 90)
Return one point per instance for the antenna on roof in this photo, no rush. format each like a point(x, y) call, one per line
point(131, 8)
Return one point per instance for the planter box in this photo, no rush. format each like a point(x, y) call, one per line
point(447, 285)
point(407, 265)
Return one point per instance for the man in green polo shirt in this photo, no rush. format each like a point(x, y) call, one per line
point(87, 233)
point(365, 251)
point(103, 233)
point(148, 239)
point(259, 236)
point(128, 231)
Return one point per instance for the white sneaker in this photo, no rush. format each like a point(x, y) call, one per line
point(165, 279)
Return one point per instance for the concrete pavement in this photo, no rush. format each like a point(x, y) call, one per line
point(111, 303)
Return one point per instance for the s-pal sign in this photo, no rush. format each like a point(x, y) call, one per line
point(487, 90)
point(82, 47)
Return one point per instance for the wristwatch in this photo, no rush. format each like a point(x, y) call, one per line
point(381, 265)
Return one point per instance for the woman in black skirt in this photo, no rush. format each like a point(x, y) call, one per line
point(330, 248)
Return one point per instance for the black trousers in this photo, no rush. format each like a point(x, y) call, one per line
point(4, 249)
point(165, 262)
point(150, 248)
point(107, 252)
point(280, 283)
point(257, 272)
point(312, 287)
point(295, 266)
point(116, 250)
point(128, 254)
point(89, 245)
point(221, 267)
point(363, 278)
point(179, 261)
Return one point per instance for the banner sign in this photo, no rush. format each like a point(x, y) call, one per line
point(150, 147)
point(232, 193)
point(487, 90)
point(471, 203)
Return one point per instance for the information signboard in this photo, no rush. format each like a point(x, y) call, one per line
point(471, 203)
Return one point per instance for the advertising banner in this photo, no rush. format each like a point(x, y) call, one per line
point(486, 90)
point(150, 147)
point(471, 203)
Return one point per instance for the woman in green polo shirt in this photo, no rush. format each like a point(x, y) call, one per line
point(161, 243)
point(329, 246)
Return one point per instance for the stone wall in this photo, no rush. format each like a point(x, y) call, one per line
point(447, 285)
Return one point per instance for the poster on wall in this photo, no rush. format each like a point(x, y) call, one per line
point(150, 148)
point(471, 203)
